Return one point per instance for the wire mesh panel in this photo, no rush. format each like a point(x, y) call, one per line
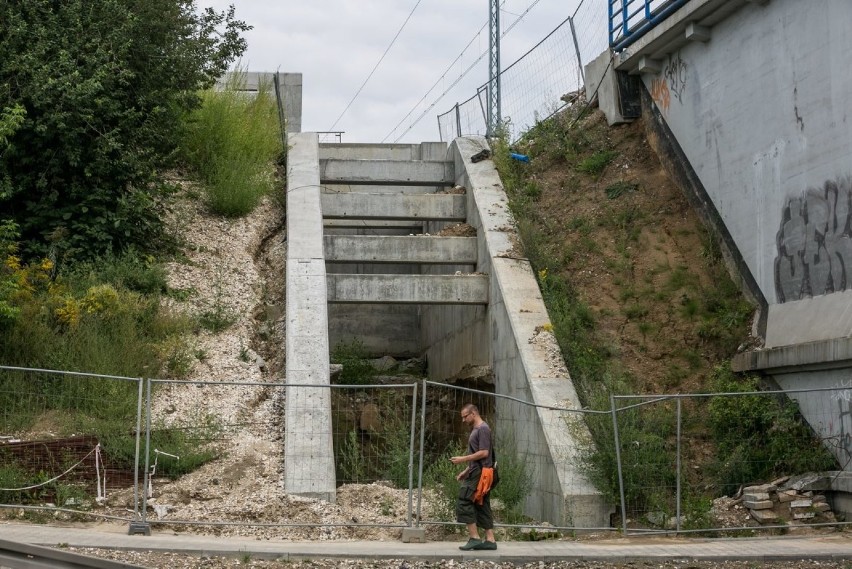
point(532, 467)
point(209, 445)
point(68, 441)
point(217, 455)
point(646, 446)
point(539, 83)
point(590, 28)
point(533, 87)
point(754, 466)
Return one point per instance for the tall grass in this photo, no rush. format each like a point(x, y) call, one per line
point(232, 142)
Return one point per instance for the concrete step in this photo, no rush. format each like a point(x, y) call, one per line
point(387, 172)
point(400, 249)
point(351, 226)
point(408, 289)
point(371, 151)
point(448, 207)
point(373, 189)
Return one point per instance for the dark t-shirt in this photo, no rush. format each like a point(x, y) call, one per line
point(480, 438)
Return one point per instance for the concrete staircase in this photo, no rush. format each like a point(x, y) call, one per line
point(378, 203)
point(367, 261)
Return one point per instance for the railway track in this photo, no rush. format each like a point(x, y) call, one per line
point(14, 555)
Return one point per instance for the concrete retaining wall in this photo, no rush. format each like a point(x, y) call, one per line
point(308, 457)
point(508, 336)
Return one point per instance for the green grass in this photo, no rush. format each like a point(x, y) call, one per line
point(597, 162)
point(233, 142)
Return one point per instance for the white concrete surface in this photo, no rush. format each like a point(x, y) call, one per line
point(308, 452)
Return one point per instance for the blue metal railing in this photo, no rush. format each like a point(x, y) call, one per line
point(629, 20)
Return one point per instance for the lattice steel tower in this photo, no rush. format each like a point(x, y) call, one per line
point(493, 117)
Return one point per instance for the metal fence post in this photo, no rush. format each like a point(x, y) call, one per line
point(617, 442)
point(677, 480)
point(577, 50)
point(458, 122)
point(142, 526)
point(422, 449)
point(136, 456)
point(411, 452)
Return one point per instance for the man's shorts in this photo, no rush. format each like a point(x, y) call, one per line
point(467, 512)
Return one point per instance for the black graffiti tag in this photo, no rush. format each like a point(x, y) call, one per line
point(814, 243)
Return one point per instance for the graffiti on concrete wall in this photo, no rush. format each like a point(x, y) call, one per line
point(814, 242)
point(671, 83)
point(660, 93)
point(675, 74)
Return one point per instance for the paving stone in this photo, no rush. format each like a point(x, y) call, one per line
point(761, 505)
point(755, 496)
point(764, 516)
point(787, 496)
point(760, 488)
point(807, 503)
point(804, 515)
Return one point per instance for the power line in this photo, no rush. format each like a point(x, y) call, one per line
point(459, 78)
point(376, 66)
point(444, 74)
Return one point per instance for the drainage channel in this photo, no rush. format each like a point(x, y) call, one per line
point(14, 555)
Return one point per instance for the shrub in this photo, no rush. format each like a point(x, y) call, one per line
point(759, 436)
point(357, 369)
point(232, 143)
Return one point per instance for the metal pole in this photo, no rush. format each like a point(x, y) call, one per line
point(142, 526)
point(677, 513)
point(411, 452)
point(494, 114)
point(422, 445)
point(618, 462)
point(136, 459)
point(458, 121)
point(147, 453)
point(577, 49)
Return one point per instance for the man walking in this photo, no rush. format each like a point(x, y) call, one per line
point(474, 504)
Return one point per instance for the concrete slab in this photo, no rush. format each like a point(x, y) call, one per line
point(386, 172)
point(308, 454)
point(450, 207)
point(408, 289)
point(406, 249)
point(614, 550)
point(376, 151)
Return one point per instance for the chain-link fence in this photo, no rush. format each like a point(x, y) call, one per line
point(68, 441)
point(532, 471)
point(669, 461)
point(77, 445)
point(541, 82)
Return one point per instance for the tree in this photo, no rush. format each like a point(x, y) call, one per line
point(96, 91)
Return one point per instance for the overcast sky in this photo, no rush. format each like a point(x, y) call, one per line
point(336, 43)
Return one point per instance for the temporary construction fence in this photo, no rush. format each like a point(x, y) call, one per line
point(665, 458)
point(68, 440)
point(112, 447)
point(541, 82)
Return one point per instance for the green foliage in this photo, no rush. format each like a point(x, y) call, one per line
point(352, 462)
point(440, 476)
point(516, 479)
point(91, 92)
point(219, 315)
point(759, 436)
point(396, 444)
point(596, 163)
point(9, 285)
point(357, 369)
point(77, 320)
point(232, 142)
point(620, 188)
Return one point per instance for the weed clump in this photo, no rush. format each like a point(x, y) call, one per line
point(232, 142)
